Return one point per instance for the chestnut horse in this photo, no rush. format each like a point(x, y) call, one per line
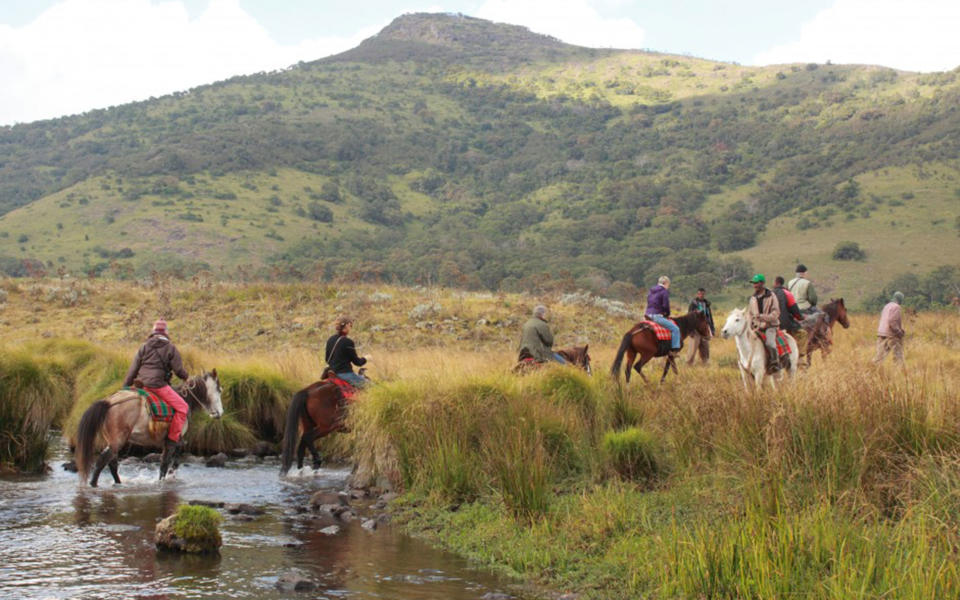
point(575, 355)
point(125, 417)
point(819, 328)
point(642, 340)
point(319, 410)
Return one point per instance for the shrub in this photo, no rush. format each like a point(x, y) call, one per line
point(848, 251)
point(634, 454)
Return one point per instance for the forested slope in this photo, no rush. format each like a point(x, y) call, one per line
point(453, 150)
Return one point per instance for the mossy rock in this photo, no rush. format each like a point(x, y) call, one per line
point(192, 529)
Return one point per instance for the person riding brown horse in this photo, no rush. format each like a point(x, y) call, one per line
point(318, 410)
point(642, 340)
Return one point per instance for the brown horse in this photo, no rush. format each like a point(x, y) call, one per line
point(642, 340)
point(819, 329)
point(319, 410)
point(575, 355)
point(125, 417)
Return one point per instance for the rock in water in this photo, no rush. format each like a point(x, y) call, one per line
point(293, 581)
point(217, 460)
point(192, 529)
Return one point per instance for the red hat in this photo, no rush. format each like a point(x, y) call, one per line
point(160, 326)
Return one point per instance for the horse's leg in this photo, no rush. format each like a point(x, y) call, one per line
point(102, 460)
point(631, 356)
point(302, 446)
point(745, 378)
point(666, 368)
point(639, 367)
point(169, 452)
point(114, 466)
point(310, 440)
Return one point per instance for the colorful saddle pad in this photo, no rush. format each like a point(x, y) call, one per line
point(662, 332)
point(783, 347)
point(159, 410)
point(346, 389)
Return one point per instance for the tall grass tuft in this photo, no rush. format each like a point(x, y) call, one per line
point(33, 392)
point(206, 435)
point(522, 473)
point(635, 454)
point(258, 397)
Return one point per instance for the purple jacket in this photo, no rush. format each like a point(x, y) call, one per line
point(658, 301)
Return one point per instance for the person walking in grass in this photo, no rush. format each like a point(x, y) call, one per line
point(536, 339)
point(701, 344)
point(341, 354)
point(890, 331)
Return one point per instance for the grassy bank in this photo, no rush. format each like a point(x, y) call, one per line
point(842, 484)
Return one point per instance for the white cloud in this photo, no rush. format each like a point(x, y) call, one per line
point(914, 35)
point(573, 21)
point(85, 54)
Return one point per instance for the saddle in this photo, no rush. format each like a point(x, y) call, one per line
point(663, 335)
point(346, 389)
point(159, 410)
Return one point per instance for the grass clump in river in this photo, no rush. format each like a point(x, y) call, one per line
point(197, 529)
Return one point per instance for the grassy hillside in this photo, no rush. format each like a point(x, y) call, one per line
point(457, 151)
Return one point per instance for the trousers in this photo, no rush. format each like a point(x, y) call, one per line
point(178, 404)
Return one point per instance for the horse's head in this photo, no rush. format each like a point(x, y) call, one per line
point(736, 323)
point(210, 397)
point(700, 324)
point(578, 356)
point(841, 312)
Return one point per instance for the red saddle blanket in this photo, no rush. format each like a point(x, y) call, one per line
point(159, 410)
point(783, 347)
point(663, 334)
point(346, 389)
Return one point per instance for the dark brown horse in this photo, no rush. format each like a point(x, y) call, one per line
point(125, 417)
point(319, 410)
point(819, 329)
point(575, 355)
point(642, 340)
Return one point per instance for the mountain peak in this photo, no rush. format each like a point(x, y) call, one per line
point(416, 36)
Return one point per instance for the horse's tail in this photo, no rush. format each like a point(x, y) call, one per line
point(291, 434)
point(90, 424)
point(624, 345)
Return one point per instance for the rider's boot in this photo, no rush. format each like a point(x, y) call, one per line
point(773, 360)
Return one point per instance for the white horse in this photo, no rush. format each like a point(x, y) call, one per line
point(752, 352)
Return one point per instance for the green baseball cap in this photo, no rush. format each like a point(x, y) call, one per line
point(758, 278)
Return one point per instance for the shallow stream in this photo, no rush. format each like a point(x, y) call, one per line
point(58, 540)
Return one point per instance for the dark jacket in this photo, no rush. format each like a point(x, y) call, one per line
point(704, 306)
point(341, 352)
point(658, 301)
point(156, 359)
point(536, 340)
point(789, 313)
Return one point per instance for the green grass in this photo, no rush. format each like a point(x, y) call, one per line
point(198, 527)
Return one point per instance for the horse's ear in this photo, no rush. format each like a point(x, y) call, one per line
point(214, 373)
point(585, 347)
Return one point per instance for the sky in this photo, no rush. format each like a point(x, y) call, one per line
point(60, 57)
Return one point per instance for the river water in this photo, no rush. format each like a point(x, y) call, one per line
point(58, 540)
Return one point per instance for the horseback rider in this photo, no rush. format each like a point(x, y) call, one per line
point(804, 292)
point(341, 354)
point(764, 313)
point(153, 365)
point(790, 315)
point(536, 339)
point(702, 345)
point(658, 311)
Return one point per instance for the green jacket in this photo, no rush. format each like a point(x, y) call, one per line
point(537, 340)
point(803, 291)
